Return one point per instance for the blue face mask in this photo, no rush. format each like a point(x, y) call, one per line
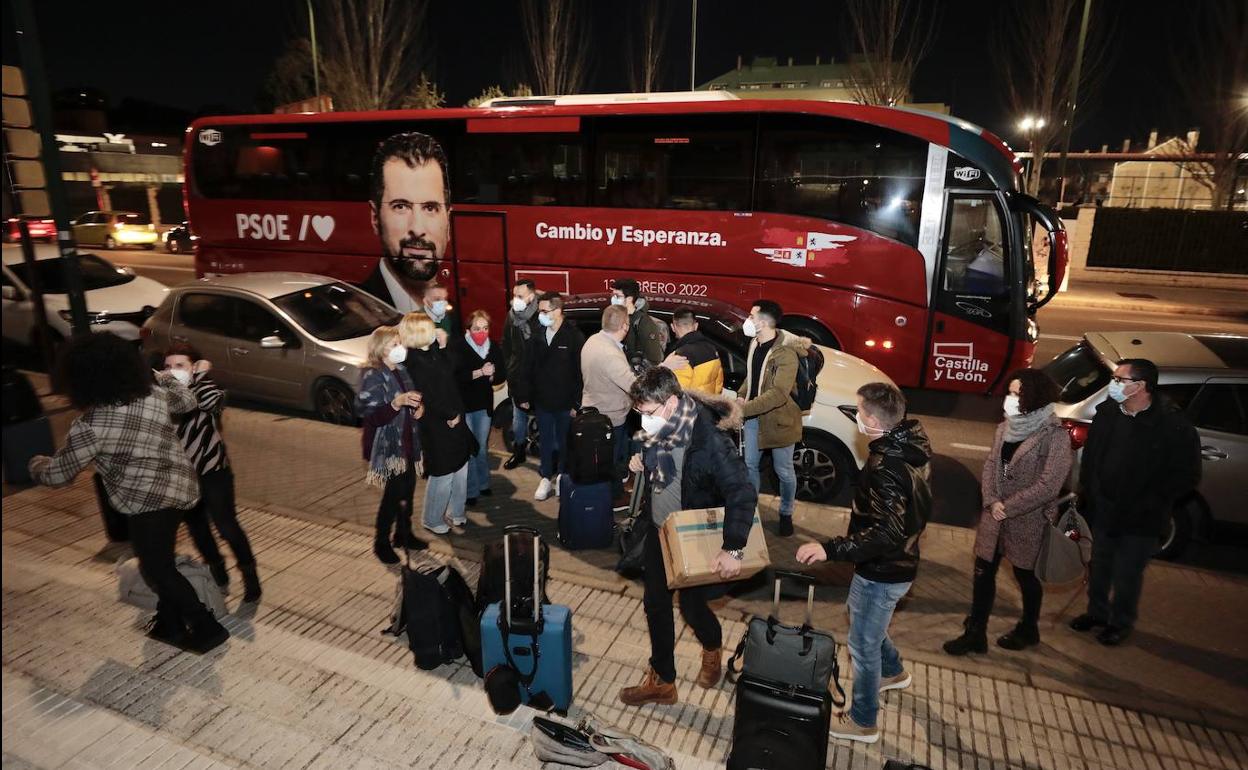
point(545, 320)
point(1118, 391)
point(438, 309)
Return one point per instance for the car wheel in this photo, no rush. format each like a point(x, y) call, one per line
point(1178, 532)
point(335, 403)
point(150, 246)
point(823, 466)
point(109, 243)
point(815, 331)
point(172, 246)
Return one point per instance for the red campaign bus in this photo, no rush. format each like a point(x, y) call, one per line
point(899, 236)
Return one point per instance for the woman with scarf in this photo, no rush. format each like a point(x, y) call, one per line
point(391, 408)
point(443, 432)
point(1022, 480)
point(479, 365)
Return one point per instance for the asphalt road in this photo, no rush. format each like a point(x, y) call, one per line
point(961, 426)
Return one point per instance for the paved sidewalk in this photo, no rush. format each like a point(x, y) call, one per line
point(307, 681)
point(1226, 303)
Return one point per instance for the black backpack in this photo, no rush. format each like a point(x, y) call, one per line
point(808, 369)
point(591, 447)
point(430, 616)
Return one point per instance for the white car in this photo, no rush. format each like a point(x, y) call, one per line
point(832, 450)
point(117, 300)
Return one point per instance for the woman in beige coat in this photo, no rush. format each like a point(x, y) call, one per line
point(1022, 480)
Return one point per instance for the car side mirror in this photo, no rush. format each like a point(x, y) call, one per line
point(272, 341)
point(10, 293)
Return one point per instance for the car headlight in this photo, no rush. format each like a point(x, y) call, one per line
point(94, 318)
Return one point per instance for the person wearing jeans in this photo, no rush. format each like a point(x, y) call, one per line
point(773, 420)
point(479, 368)
point(554, 381)
point(891, 505)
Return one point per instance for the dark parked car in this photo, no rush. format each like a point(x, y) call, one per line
point(179, 239)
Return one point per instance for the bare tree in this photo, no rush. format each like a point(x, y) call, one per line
point(555, 33)
point(647, 37)
point(891, 36)
point(1213, 74)
point(1035, 43)
point(374, 52)
point(291, 77)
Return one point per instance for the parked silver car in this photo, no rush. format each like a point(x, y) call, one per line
point(293, 339)
point(1206, 375)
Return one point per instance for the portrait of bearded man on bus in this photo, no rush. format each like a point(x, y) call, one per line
point(411, 214)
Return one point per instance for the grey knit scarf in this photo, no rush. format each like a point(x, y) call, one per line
point(657, 449)
point(1020, 427)
point(521, 319)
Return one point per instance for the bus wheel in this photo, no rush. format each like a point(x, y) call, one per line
point(335, 403)
point(804, 327)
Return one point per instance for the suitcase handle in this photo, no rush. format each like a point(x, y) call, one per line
point(797, 577)
point(517, 529)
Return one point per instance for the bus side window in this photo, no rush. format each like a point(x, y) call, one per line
point(694, 162)
point(523, 169)
point(860, 175)
point(975, 257)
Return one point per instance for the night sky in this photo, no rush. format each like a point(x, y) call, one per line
point(192, 54)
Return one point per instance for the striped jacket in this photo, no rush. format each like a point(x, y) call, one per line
point(200, 428)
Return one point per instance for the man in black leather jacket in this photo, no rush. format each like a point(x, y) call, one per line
point(891, 506)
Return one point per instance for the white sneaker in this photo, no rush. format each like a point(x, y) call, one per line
point(543, 490)
point(441, 529)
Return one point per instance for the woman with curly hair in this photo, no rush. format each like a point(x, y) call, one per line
point(1022, 480)
point(125, 428)
point(391, 408)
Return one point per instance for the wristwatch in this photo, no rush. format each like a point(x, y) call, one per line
point(736, 553)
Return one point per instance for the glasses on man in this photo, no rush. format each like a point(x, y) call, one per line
point(650, 413)
point(1124, 380)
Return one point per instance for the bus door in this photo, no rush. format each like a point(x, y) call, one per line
point(479, 245)
point(969, 333)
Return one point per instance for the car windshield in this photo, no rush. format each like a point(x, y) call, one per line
point(336, 311)
point(1079, 372)
point(96, 274)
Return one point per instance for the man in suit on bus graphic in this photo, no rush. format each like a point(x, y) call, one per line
point(411, 214)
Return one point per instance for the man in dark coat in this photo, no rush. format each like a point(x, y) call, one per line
point(1142, 456)
point(521, 327)
point(554, 375)
point(891, 507)
point(690, 462)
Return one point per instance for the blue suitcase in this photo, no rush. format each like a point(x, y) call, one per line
point(586, 516)
point(538, 647)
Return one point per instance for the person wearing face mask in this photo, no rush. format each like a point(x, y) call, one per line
point(892, 503)
point(437, 306)
point(444, 437)
point(773, 420)
point(646, 340)
point(522, 325)
point(390, 408)
point(554, 377)
point(607, 377)
point(200, 433)
point(479, 367)
point(689, 461)
point(1022, 479)
point(1141, 457)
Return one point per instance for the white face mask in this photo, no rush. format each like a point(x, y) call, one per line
point(1011, 406)
point(865, 429)
point(397, 355)
point(545, 320)
point(438, 309)
point(619, 301)
point(652, 423)
point(518, 304)
point(181, 375)
point(748, 328)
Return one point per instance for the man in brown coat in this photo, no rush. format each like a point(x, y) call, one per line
point(773, 420)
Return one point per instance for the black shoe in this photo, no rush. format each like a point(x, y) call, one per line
point(785, 526)
point(486, 493)
point(1020, 638)
point(167, 628)
point(205, 633)
point(220, 575)
point(973, 639)
point(517, 459)
point(1085, 622)
point(411, 542)
point(251, 583)
point(385, 554)
point(1112, 636)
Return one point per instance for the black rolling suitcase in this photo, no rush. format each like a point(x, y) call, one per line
point(784, 702)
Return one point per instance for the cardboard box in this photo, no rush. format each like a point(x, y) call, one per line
point(692, 539)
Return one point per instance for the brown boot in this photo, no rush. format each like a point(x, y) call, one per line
point(712, 668)
point(651, 690)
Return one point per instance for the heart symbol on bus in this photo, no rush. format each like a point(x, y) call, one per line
point(323, 225)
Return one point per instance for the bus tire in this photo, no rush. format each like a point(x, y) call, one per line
point(334, 402)
point(804, 327)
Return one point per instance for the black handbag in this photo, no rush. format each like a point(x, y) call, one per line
point(791, 656)
point(633, 531)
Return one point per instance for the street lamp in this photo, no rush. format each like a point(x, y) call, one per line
point(1029, 124)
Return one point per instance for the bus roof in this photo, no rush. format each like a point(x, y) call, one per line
point(968, 140)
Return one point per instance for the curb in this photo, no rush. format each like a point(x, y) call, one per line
point(1149, 306)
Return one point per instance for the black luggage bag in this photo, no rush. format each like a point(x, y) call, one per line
point(591, 447)
point(779, 728)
